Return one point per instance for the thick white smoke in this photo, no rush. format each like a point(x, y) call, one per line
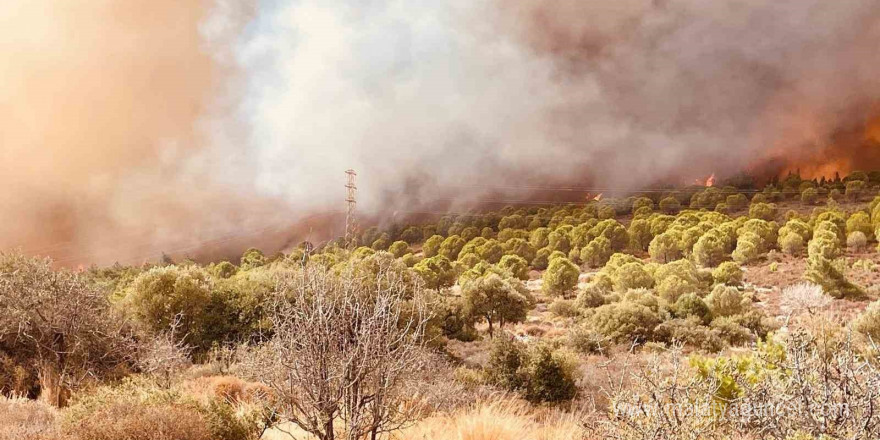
point(185, 121)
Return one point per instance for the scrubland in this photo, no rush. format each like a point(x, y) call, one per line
point(700, 313)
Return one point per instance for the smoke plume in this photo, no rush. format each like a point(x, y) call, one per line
point(179, 122)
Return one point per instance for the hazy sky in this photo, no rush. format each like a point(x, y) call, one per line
point(128, 127)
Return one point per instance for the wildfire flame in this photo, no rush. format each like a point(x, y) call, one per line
point(710, 181)
point(598, 197)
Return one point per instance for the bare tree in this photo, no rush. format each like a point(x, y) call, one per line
point(57, 323)
point(344, 346)
point(165, 355)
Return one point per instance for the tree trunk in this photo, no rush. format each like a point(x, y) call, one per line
point(489, 320)
point(52, 390)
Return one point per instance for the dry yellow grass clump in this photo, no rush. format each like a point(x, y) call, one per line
point(496, 420)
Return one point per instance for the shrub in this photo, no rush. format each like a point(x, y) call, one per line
point(809, 196)
point(857, 241)
point(517, 266)
point(432, 246)
point(868, 323)
point(451, 247)
point(692, 305)
point(689, 331)
point(382, 242)
point(670, 205)
point(549, 377)
point(763, 211)
point(539, 237)
point(737, 202)
point(506, 359)
point(632, 276)
point(558, 241)
point(640, 234)
point(710, 250)
point(180, 296)
point(590, 297)
point(855, 189)
point(491, 251)
point(597, 252)
point(791, 243)
point(747, 249)
point(625, 321)
point(561, 277)
point(520, 247)
point(399, 248)
point(223, 269)
point(727, 301)
point(437, 272)
point(584, 339)
point(563, 307)
point(664, 247)
point(731, 331)
point(542, 259)
point(728, 273)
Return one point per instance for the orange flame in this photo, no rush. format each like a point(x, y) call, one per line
point(598, 197)
point(710, 181)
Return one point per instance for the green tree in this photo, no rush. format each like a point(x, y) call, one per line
point(252, 258)
point(664, 247)
point(515, 265)
point(561, 277)
point(497, 299)
point(670, 205)
point(437, 272)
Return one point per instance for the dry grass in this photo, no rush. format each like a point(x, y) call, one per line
point(496, 420)
point(27, 419)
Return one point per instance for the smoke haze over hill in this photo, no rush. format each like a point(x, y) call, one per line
point(128, 128)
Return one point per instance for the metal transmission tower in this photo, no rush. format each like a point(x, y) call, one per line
point(350, 219)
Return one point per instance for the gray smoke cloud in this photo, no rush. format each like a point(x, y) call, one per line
point(196, 120)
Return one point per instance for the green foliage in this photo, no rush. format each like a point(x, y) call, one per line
point(625, 321)
point(747, 248)
point(382, 242)
point(436, 272)
point(860, 222)
point(727, 301)
point(868, 323)
point(451, 247)
point(763, 211)
point(565, 308)
point(632, 276)
point(670, 205)
point(737, 202)
point(497, 299)
point(223, 269)
point(857, 241)
point(506, 359)
point(809, 196)
point(432, 246)
point(597, 252)
point(561, 277)
point(399, 248)
point(549, 377)
point(692, 305)
point(728, 273)
point(515, 265)
point(640, 234)
point(711, 248)
point(252, 258)
point(539, 238)
point(590, 297)
point(519, 247)
point(664, 247)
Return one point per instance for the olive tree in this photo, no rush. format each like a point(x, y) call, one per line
point(497, 299)
point(57, 324)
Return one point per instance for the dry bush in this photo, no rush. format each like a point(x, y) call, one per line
point(803, 298)
point(130, 421)
point(345, 349)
